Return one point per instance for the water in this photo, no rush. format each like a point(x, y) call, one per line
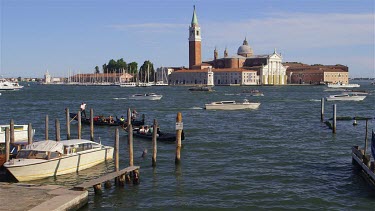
point(277, 157)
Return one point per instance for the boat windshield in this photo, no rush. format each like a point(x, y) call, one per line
point(34, 154)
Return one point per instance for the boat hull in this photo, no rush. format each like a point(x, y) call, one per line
point(20, 133)
point(342, 85)
point(354, 98)
point(34, 169)
point(232, 107)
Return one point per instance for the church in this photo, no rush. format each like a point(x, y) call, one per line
point(244, 68)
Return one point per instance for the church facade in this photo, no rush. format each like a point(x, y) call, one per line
point(244, 68)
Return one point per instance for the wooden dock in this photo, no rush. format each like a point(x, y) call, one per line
point(96, 183)
point(362, 160)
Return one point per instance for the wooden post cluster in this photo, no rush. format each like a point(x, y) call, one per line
point(334, 119)
point(322, 110)
point(178, 139)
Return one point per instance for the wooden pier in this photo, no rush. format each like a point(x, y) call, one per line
point(96, 183)
point(361, 160)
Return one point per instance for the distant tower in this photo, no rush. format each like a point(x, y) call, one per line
point(226, 53)
point(194, 42)
point(215, 54)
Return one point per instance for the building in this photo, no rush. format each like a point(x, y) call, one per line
point(244, 68)
point(299, 73)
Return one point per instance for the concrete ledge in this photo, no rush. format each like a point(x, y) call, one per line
point(40, 197)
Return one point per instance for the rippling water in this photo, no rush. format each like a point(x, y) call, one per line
point(277, 157)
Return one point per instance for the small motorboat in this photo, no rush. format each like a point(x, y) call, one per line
point(231, 105)
point(147, 96)
point(345, 97)
point(342, 85)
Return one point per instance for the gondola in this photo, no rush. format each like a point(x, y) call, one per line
point(165, 137)
point(103, 121)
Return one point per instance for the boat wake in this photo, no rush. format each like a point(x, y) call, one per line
point(196, 108)
point(119, 98)
point(314, 100)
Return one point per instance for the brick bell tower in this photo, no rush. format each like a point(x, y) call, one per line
point(194, 42)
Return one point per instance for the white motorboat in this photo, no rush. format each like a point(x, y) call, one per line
point(147, 96)
point(342, 85)
point(128, 84)
point(20, 133)
point(50, 158)
point(345, 97)
point(231, 105)
point(8, 85)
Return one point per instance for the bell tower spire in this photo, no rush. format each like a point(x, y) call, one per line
point(194, 42)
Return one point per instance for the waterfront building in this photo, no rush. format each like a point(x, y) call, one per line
point(101, 78)
point(244, 68)
point(299, 73)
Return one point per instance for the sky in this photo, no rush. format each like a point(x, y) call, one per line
point(74, 36)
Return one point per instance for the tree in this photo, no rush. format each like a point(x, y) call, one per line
point(132, 68)
point(97, 70)
point(104, 68)
point(147, 71)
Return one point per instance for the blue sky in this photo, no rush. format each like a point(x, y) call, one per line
point(76, 35)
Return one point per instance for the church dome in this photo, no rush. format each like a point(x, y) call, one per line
point(245, 50)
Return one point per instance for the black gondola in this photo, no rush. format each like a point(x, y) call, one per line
point(101, 120)
point(166, 137)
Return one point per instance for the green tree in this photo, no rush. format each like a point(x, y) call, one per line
point(104, 68)
point(146, 72)
point(97, 70)
point(132, 68)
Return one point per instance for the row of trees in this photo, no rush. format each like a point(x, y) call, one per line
point(145, 72)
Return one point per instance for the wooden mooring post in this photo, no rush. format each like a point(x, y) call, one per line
point(334, 119)
point(91, 124)
point(322, 110)
point(67, 123)
point(79, 124)
point(29, 134)
point(57, 129)
point(7, 144)
point(11, 124)
point(46, 128)
point(178, 137)
point(366, 138)
point(154, 142)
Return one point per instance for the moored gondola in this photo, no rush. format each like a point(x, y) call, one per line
point(106, 121)
point(161, 136)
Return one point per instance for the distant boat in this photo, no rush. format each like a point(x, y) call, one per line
point(147, 96)
point(128, 84)
point(201, 88)
point(50, 158)
point(345, 97)
point(255, 93)
point(9, 85)
point(231, 105)
point(342, 85)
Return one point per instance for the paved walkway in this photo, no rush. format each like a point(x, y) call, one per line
point(20, 196)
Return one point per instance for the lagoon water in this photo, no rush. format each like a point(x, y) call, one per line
point(277, 157)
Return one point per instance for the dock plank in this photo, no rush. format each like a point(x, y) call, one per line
point(104, 178)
